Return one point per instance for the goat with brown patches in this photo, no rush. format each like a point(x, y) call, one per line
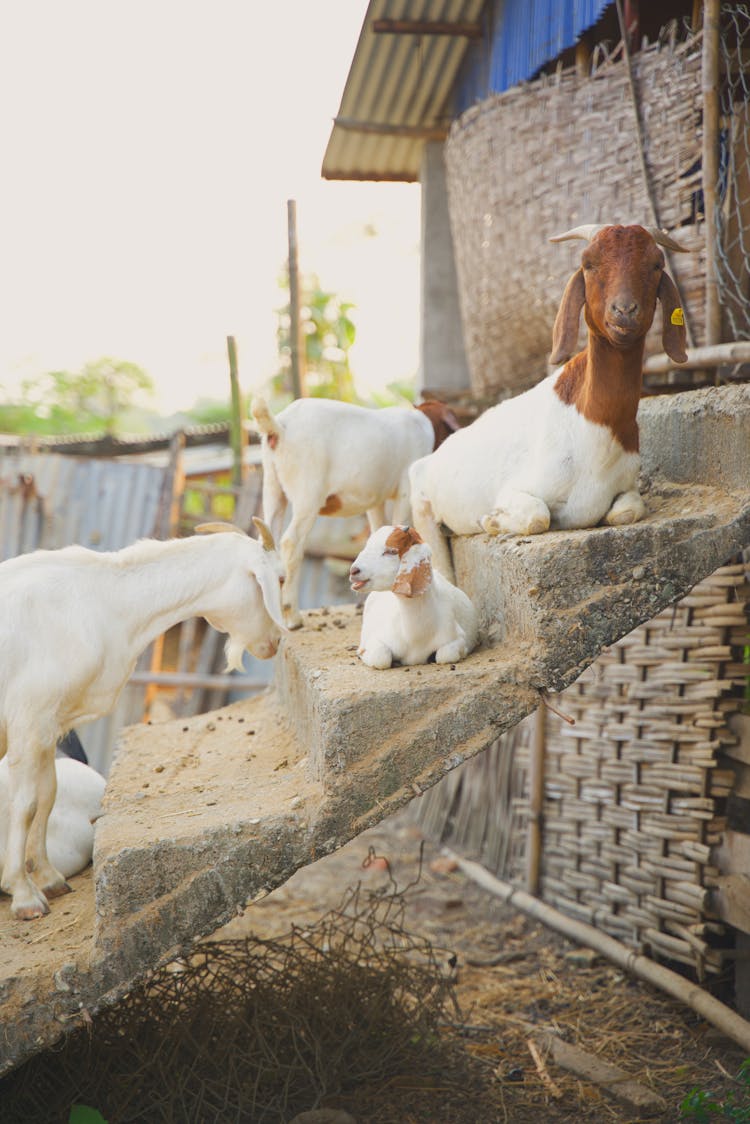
point(412, 612)
point(565, 453)
point(332, 458)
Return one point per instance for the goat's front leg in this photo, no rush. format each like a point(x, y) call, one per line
point(376, 517)
point(292, 554)
point(427, 526)
point(627, 508)
point(454, 650)
point(517, 513)
point(27, 778)
point(376, 654)
point(49, 880)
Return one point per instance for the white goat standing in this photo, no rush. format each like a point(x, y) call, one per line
point(70, 828)
point(72, 625)
point(565, 453)
point(412, 612)
point(333, 458)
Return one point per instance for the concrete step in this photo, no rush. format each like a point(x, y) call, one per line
point(205, 813)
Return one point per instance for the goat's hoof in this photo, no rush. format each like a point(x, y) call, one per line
point(30, 910)
point(490, 525)
point(537, 526)
point(622, 518)
point(57, 890)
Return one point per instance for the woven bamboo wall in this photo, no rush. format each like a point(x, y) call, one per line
point(550, 155)
point(635, 792)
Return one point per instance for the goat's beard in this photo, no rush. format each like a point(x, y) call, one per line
point(234, 651)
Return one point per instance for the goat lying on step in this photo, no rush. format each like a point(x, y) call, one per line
point(565, 453)
point(412, 612)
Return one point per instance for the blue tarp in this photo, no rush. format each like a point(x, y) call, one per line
point(526, 35)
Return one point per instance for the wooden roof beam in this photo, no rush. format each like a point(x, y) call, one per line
point(382, 128)
point(456, 29)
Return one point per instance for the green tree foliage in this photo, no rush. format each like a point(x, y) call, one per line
point(328, 332)
point(91, 400)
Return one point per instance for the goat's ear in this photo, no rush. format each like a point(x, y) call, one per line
point(264, 533)
point(673, 336)
point(565, 331)
point(270, 587)
point(414, 574)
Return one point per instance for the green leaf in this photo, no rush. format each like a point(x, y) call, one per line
point(82, 1114)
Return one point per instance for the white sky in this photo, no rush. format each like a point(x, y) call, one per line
point(148, 151)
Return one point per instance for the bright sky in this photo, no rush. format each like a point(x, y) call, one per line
point(148, 152)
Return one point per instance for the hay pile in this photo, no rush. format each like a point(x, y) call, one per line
point(346, 1013)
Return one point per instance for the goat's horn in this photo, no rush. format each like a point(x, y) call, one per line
point(264, 532)
point(592, 229)
point(665, 240)
point(585, 232)
point(217, 529)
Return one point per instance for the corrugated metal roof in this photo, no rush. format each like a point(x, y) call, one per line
point(404, 89)
point(525, 37)
point(398, 92)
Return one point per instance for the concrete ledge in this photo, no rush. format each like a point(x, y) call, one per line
point(205, 813)
point(567, 595)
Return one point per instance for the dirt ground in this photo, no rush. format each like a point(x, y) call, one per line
point(514, 979)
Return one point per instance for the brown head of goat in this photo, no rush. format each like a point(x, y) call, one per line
point(621, 277)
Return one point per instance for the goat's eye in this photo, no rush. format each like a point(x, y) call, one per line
point(390, 550)
point(658, 267)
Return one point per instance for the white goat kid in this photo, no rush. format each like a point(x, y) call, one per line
point(70, 829)
point(72, 625)
point(412, 612)
point(565, 453)
point(334, 458)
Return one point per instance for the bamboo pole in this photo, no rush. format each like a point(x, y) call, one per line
point(195, 679)
point(693, 996)
point(167, 525)
point(536, 801)
point(710, 89)
point(295, 333)
point(642, 158)
point(717, 355)
point(236, 426)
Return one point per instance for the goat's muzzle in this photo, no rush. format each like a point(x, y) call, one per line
point(355, 581)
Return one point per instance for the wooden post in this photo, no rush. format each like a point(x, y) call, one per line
point(167, 526)
point(710, 86)
point(295, 333)
point(536, 801)
point(236, 427)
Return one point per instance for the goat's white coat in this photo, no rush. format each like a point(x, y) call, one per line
point(72, 625)
point(524, 465)
point(70, 828)
point(563, 454)
point(328, 449)
point(441, 620)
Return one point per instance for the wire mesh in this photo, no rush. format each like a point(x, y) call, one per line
point(733, 196)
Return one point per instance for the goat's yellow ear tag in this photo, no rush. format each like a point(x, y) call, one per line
point(677, 318)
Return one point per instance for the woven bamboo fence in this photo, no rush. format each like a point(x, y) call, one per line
point(552, 154)
point(635, 793)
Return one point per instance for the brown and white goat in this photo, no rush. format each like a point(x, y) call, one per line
point(565, 453)
point(411, 613)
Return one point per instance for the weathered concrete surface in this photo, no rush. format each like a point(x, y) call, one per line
point(203, 814)
point(569, 595)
